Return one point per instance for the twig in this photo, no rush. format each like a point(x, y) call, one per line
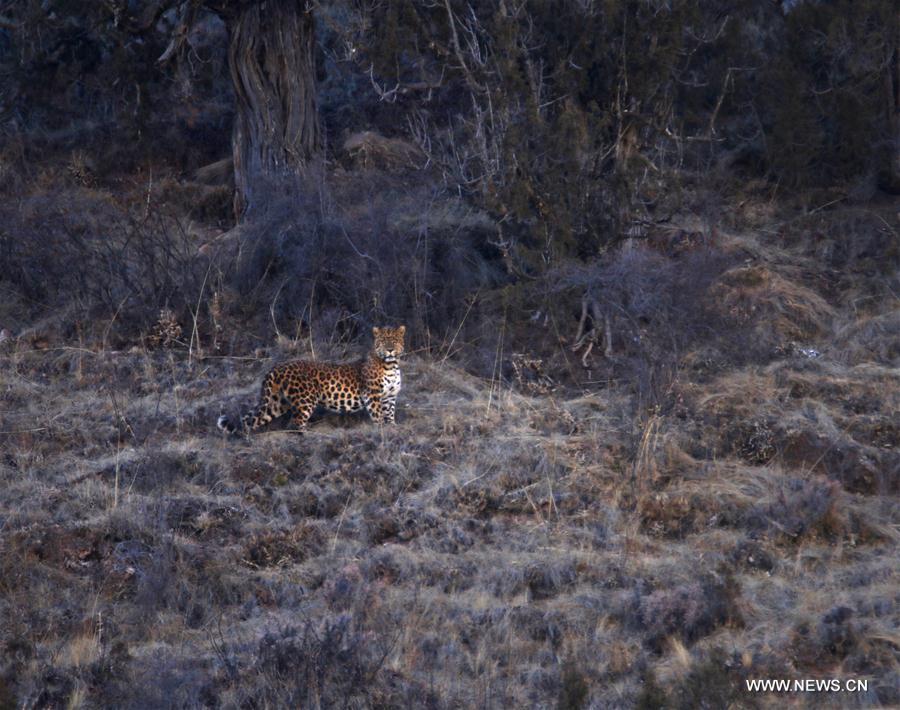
point(496, 370)
point(454, 38)
point(195, 333)
point(112, 320)
point(459, 328)
point(827, 204)
point(340, 523)
point(186, 12)
point(537, 511)
point(272, 309)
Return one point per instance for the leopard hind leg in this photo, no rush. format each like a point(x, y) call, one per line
point(271, 407)
point(300, 411)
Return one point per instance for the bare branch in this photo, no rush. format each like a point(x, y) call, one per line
point(186, 15)
point(457, 49)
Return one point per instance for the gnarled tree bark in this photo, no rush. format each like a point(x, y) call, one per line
point(276, 127)
point(892, 81)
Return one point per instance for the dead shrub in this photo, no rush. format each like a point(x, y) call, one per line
point(52, 687)
point(368, 150)
point(349, 587)
point(185, 579)
point(752, 555)
point(207, 204)
point(713, 681)
point(574, 688)
point(874, 339)
point(402, 524)
point(83, 250)
point(858, 470)
point(871, 653)
point(667, 515)
point(547, 579)
point(816, 646)
point(705, 362)
point(80, 550)
point(280, 548)
point(164, 676)
point(449, 578)
point(854, 244)
point(800, 415)
point(381, 257)
point(158, 470)
point(537, 624)
point(476, 499)
point(333, 662)
point(688, 611)
point(876, 430)
point(166, 332)
point(654, 309)
point(311, 499)
point(253, 469)
point(753, 441)
point(530, 374)
point(803, 510)
point(771, 309)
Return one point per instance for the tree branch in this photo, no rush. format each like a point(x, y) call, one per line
point(186, 14)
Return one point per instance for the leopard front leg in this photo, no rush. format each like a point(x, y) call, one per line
point(388, 406)
point(375, 408)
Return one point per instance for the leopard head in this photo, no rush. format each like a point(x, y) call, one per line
point(388, 345)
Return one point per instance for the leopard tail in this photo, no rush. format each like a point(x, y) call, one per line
point(270, 407)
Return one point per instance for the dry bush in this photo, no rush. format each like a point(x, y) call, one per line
point(853, 252)
point(859, 469)
point(713, 680)
point(832, 639)
point(688, 611)
point(874, 339)
point(657, 308)
point(802, 510)
point(812, 415)
point(166, 332)
point(97, 265)
point(673, 515)
point(771, 310)
point(752, 555)
point(368, 149)
point(279, 548)
point(206, 204)
point(395, 253)
point(335, 660)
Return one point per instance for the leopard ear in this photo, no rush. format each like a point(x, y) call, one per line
point(376, 332)
point(402, 330)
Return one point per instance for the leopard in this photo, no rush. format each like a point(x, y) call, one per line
point(298, 387)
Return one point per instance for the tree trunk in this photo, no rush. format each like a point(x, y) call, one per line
point(889, 176)
point(894, 97)
point(276, 126)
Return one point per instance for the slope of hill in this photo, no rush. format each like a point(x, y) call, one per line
point(504, 545)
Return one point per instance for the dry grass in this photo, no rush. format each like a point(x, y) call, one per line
point(774, 309)
point(496, 548)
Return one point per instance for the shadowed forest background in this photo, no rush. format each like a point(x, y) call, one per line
point(647, 255)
